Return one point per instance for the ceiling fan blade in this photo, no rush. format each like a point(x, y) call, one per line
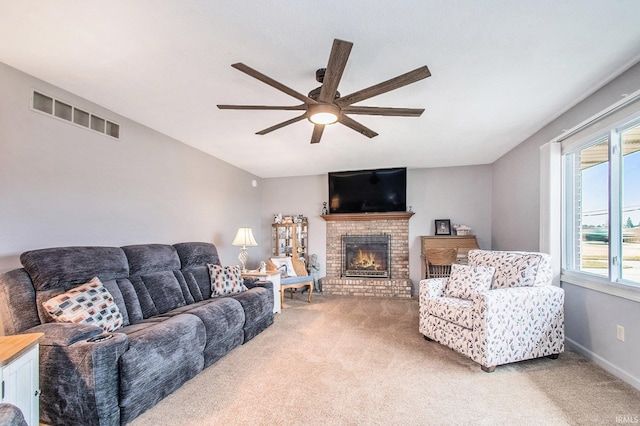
point(317, 133)
point(353, 124)
point(337, 62)
point(265, 107)
point(271, 82)
point(385, 86)
point(280, 125)
point(399, 112)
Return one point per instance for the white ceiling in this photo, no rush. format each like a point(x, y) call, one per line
point(500, 70)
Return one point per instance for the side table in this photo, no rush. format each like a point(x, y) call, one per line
point(19, 373)
point(274, 277)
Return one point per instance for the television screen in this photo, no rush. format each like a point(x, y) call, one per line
point(368, 191)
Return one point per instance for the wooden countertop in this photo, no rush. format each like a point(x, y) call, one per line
point(11, 347)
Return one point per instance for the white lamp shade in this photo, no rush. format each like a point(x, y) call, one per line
point(244, 238)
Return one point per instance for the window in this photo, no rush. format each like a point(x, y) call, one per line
point(602, 204)
point(70, 113)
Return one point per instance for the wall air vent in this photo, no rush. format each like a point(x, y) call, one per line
point(69, 113)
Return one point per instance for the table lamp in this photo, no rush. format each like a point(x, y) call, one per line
point(244, 238)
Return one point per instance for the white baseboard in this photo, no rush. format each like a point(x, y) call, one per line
point(597, 359)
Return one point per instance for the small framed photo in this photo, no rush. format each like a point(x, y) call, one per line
point(443, 227)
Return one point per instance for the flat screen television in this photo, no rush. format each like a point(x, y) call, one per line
point(368, 191)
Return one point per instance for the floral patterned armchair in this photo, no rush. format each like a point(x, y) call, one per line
point(498, 309)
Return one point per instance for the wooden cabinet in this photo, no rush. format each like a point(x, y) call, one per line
point(19, 374)
point(289, 239)
point(463, 243)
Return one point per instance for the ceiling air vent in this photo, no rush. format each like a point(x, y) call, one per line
point(69, 113)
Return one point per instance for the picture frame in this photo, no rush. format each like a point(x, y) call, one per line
point(443, 226)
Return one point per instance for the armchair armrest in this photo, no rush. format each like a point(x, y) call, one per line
point(432, 287)
point(514, 324)
point(76, 374)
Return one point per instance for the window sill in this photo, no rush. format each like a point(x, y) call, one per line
point(602, 285)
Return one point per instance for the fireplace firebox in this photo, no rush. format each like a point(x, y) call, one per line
point(366, 256)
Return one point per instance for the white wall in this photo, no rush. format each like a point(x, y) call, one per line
point(591, 316)
point(65, 185)
point(462, 194)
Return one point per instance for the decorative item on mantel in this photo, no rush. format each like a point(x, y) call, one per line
point(462, 229)
point(244, 238)
point(324, 208)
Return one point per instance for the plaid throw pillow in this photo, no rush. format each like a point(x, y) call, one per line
point(88, 303)
point(225, 280)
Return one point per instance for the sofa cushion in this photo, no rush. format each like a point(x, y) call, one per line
point(68, 267)
point(513, 268)
point(225, 280)
point(149, 258)
point(467, 281)
point(454, 310)
point(196, 254)
point(159, 292)
point(90, 303)
point(161, 357)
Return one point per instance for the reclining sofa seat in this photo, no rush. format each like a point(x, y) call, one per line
point(172, 327)
point(520, 317)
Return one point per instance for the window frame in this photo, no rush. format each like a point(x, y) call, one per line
point(612, 131)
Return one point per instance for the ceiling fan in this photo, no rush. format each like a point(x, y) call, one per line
point(324, 105)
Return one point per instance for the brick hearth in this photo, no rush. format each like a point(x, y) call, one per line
point(395, 224)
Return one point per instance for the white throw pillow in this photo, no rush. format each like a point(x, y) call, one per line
point(89, 303)
point(279, 261)
point(466, 281)
point(225, 280)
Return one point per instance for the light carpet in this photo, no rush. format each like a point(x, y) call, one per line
point(361, 361)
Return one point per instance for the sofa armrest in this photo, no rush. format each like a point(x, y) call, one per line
point(63, 334)
point(513, 324)
point(79, 378)
point(254, 282)
point(10, 415)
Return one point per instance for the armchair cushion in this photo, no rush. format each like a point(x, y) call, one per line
point(514, 268)
point(279, 261)
point(457, 311)
point(467, 281)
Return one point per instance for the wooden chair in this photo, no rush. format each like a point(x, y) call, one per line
point(438, 261)
point(302, 279)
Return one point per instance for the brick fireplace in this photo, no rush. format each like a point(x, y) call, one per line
point(395, 227)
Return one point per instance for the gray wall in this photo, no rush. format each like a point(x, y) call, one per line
point(591, 316)
point(462, 194)
point(65, 185)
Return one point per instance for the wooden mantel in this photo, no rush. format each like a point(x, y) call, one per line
point(367, 216)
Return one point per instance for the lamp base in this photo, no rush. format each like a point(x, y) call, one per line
point(243, 257)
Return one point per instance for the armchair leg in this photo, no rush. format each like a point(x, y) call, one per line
point(553, 356)
point(488, 369)
point(428, 339)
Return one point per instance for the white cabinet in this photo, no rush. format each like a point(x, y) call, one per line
point(19, 374)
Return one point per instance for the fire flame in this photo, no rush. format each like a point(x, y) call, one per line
point(365, 260)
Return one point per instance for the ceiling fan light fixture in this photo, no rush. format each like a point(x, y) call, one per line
point(323, 113)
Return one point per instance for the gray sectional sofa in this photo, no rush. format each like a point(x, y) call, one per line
point(172, 328)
